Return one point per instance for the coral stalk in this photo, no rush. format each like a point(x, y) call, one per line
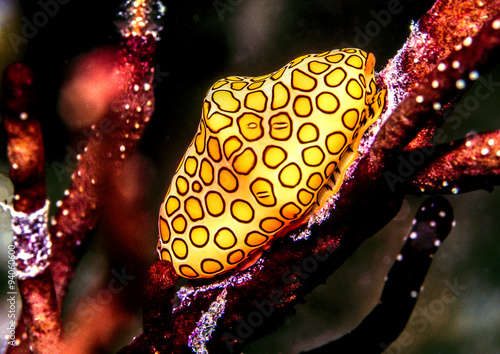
point(433, 224)
point(40, 320)
point(470, 164)
point(113, 140)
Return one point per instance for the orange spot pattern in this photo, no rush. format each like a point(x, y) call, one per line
point(269, 150)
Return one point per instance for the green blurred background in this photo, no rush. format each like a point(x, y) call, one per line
point(203, 41)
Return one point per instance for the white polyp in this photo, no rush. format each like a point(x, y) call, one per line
point(141, 18)
point(414, 294)
point(473, 75)
point(485, 151)
point(455, 64)
point(136, 87)
point(303, 235)
point(468, 143)
point(491, 142)
point(467, 41)
point(31, 240)
point(445, 184)
point(460, 84)
point(435, 84)
point(23, 116)
point(436, 106)
point(399, 257)
point(207, 323)
point(441, 67)
point(413, 235)
point(442, 213)
point(437, 243)
point(419, 99)
point(433, 223)
point(496, 24)
point(188, 293)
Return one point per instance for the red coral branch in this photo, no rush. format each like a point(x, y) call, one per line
point(471, 164)
point(443, 81)
point(159, 333)
point(40, 320)
point(25, 143)
point(112, 141)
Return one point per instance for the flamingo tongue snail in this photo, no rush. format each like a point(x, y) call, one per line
point(269, 150)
